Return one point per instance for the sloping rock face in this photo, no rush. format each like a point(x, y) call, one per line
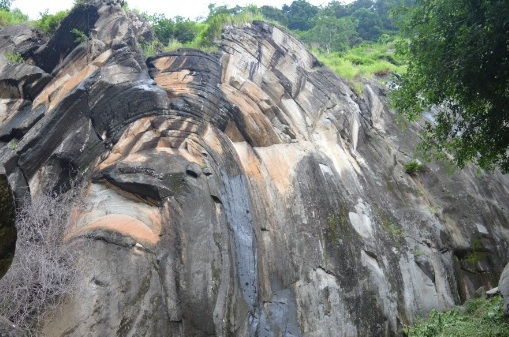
point(247, 192)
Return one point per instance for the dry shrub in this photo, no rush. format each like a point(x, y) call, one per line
point(44, 268)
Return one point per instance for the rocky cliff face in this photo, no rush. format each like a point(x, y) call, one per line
point(247, 192)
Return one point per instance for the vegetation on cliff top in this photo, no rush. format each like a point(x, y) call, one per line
point(457, 52)
point(174, 33)
point(356, 40)
point(349, 38)
point(457, 55)
point(332, 28)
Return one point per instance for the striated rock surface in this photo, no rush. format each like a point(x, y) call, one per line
point(7, 329)
point(247, 192)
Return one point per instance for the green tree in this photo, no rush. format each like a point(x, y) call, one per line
point(5, 5)
point(360, 4)
point(163, 27)
point(300, 14)
point(275, 14)
point(458, 54)
point(185, 29)
point(331, 34)
point(390, 10)
point(215, 10)
point(338, 8)
point(369, 24)
point(12, 17)
point(49, 23)
point(181, 29)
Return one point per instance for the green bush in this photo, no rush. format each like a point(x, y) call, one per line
point(413, 167)
point(15, 57)
point(13, 17)
point(80, 36)
point(481, 318)
point(49, 23)
point(179, 32)
point(168, 29)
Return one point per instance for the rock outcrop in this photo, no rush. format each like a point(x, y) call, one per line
point(246, 192)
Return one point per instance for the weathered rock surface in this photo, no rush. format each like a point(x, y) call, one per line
point(21, 39)
point(247, 192)
point(503, 288)
point(8, 329)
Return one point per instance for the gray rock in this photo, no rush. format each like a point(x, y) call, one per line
point(20, 39)
point(503, 288)
point(492, 292)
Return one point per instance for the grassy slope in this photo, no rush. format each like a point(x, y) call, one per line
point(366, 60)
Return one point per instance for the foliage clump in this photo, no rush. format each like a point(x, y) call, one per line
point(458, 70)
point(80, 36)
point(481, 317)
point(14, 57)
point(414, 167)
point(49, 23)
point(12, 17)
point(178, 32)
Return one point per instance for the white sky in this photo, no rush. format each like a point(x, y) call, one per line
point(186, 8)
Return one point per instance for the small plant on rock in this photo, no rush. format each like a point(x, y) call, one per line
point(414, 167)
point(15, 57)
point(80, 36)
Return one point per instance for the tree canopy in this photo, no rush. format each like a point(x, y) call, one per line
point(5, 4)
point(331, 33)
point(331, 28)
point(300, 14)
point(458, 54)
point(177, 28)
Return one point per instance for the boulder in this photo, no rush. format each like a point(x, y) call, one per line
point(22, 39)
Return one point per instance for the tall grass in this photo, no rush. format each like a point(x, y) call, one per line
point(364, 61)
